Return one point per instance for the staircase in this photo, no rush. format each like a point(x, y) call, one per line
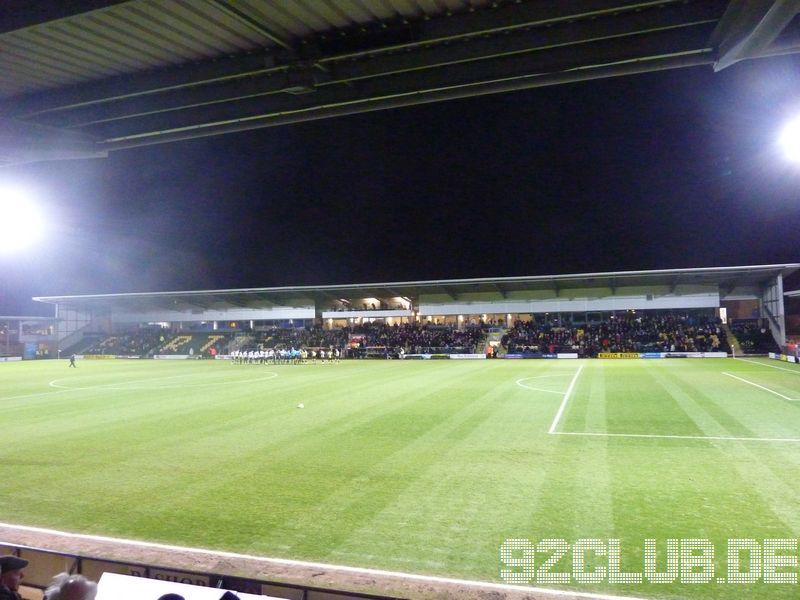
point(212, 339)
point(732, 340)
point(239, 342)
point(176, 343)
point(495, 335)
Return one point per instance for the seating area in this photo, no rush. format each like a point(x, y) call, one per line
point(301, 337)
point(625, 332)
point(416, 338)
point(133, 344)
point(196, 344)
point(754, 336)
point(630, 332)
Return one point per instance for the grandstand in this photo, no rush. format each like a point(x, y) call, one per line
point(677, 310)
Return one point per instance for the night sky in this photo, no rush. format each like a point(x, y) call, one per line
point(664, 170)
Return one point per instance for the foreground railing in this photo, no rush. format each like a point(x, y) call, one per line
point(44, 564)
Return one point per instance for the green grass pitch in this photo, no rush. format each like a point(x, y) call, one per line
point(424, 467)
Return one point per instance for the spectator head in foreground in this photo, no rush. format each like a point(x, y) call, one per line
point(11, 575)
point(171, 597)
point(71, 587)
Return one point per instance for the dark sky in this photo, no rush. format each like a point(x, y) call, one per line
point(665, 170)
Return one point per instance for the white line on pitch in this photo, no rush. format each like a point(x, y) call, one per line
point(677, 437)
point(755, 362)
point(564, 401)
point(535, 389)
point(316, 565)
point(47, 393)
point(766, 389)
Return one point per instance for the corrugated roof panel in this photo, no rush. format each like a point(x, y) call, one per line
point(307, 17)
point(356, 12)
point(63, 41)
point(19, 55)
point(171, 32)
point(327, 14)
point(39, 50)
point(392, 12)
point(431, 7)
point(114, 37)
point(408, 9)
point(209, 20)
point(144, 41)
point(286, 19)
point(377, 9)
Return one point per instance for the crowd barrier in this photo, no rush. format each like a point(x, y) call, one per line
point(10, 358)
point(104, 356)
point(784, 357)
point(527, 355)
point(113, 586)
point(44, 564)
point(615, 355)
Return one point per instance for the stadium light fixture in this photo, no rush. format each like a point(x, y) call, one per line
point(21, 220)
point(790, 140)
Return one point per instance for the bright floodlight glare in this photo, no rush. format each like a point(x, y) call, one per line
point(21, 222)
point(790, 140)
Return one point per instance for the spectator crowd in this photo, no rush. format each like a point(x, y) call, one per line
point(626, 333)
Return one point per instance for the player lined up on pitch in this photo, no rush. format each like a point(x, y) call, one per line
point(286, 356)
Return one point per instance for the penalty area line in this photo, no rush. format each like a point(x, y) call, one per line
point(315, 565)
point(755, 362)
point(761, 387)
point(565, 400)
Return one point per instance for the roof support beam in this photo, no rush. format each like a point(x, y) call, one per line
point(517, 45)
point(510, 16)
point(749, 27)
point(666, 50)
point(363, 105)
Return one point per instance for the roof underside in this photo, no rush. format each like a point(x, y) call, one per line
point(85, 77)
point(727, 279)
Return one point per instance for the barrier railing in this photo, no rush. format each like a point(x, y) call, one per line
point(44, 564)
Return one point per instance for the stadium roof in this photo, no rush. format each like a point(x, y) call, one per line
point(86, 77)
point(7, 319)
point(726, 278)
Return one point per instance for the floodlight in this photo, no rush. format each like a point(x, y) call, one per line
point(21, 221)
point(790, 140)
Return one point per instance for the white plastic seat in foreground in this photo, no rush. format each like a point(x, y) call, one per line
point(113, 586)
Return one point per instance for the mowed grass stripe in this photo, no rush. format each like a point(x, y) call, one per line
point(381, 485)
point(576, 498)
point(639, 401)
point(495, 486)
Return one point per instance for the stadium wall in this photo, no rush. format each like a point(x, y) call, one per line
point(573, 303)
point(234, 314)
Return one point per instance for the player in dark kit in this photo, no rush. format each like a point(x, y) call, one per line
point(72, 361)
